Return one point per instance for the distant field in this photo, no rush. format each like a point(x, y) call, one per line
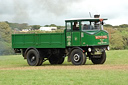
point(14, 70)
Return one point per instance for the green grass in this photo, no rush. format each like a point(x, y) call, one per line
point(14, 70)
point(63, 77)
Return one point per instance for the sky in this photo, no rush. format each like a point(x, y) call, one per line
point(46, 12)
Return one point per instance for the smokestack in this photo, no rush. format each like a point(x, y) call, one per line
point(96, 16)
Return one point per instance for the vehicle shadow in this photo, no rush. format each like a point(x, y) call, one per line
point(65, 65)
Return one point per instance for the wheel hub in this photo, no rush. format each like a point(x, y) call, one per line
point(33, 58)
point(76, 57)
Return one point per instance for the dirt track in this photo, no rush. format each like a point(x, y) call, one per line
point(97, 67)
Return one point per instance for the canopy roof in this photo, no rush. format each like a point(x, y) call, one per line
point(85, 19)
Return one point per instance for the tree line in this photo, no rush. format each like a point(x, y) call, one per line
point(118, 35)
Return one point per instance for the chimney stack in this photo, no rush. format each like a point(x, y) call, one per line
point(96, 16)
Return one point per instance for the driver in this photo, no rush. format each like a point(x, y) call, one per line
point(75, 26)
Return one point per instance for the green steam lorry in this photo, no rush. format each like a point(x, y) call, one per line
point(83, 38)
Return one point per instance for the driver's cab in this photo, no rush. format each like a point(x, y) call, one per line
point(75, 27)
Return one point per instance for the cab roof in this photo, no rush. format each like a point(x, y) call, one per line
point(85, 19)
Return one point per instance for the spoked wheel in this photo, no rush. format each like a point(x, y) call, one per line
point(78, 57)
point(33, 58)
point(100, 60)
point(56, 59)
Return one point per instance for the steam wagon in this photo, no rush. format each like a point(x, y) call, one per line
point(82, 38)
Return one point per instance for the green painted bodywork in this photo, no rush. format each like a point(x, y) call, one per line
point(87, 38)
point(90, 40)
point(61, 40)
point(44, 40)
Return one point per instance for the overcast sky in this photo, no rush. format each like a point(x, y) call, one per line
point(42, 12)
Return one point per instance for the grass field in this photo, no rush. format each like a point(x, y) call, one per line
point(14, 70)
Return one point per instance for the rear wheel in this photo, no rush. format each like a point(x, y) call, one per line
point(56, 59)
point(61, 60)
point(78, 57)
point(40, 61)
point(100, 60)
point(41, 58)
point(33, 58)
point(53, 59)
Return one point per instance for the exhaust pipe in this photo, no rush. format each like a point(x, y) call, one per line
point(96, 16)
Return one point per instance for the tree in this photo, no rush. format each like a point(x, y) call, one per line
point(17, 25)
point(36, 27)
point(116, 39)
point(117, 42)
point(5, 32)
point(124, 33)
point(46, 26)
point(110, 31)
point(108, 25)
point(5, 39)
point(123, 26)
point(53, 25)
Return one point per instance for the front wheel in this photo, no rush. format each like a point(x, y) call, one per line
point(100, 60)
point(78, 57)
